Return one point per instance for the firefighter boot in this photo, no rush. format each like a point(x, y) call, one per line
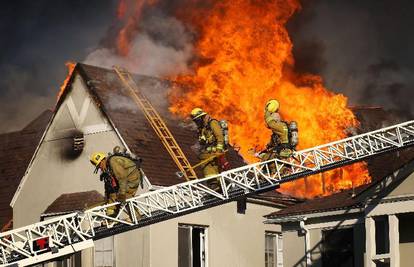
point(112, 210)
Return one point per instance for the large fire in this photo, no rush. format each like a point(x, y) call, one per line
point(243, 59)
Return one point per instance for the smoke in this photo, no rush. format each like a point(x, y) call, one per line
point(38, 37)
point(360, 48)
point(163, 47)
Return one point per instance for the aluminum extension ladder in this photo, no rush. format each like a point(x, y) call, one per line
point(157, 124)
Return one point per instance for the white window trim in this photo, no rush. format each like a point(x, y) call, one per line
point(206, 239)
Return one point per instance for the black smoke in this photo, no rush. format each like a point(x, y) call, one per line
point(36, 39)
point(363, 49)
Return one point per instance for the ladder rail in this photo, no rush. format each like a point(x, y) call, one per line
point(178, 200)
point(158, 124)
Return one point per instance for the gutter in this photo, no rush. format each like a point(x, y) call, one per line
point(307, 241)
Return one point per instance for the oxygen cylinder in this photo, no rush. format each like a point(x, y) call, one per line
point(225, 129)
point(293, 134)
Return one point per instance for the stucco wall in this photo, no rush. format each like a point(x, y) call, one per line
point(132, 248)
point(293, 249)
point(233, 239)
point(405, 188)
point(315, 247)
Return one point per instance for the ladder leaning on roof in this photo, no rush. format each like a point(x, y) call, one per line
point(157, 124)
point(47, 240)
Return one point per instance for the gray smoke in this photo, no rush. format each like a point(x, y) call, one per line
point(163, 47)
point(361, 48)
point(37, 38)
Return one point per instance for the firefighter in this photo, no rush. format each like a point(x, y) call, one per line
point(121, 174)
point(212, 144)
point(279, 146)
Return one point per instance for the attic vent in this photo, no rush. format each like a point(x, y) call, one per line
point(78, 143)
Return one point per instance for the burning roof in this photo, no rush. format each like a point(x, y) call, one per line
point(113, 99)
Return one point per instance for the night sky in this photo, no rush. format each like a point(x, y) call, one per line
point(363, 49)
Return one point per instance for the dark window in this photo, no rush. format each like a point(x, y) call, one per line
point(241, 206)
point(73, 260)
point(338, 248)
point(381, 235)
point(192, 246)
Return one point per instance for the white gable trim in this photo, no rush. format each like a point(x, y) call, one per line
point(78, 119)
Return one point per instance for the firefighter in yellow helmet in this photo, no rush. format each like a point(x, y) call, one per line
point(279, 146)
point(212, 143)
point(121, 174)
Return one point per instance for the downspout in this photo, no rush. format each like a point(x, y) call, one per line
point(307, 241)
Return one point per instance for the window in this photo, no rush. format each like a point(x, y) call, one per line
point(104, 252)
point(338, 247)
point(273, 249)
point(73, 260)
point(192, 246)
point(382, 243)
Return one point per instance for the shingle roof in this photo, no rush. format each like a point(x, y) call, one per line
point(72, 202)
point(113, 98)
point(16, 150)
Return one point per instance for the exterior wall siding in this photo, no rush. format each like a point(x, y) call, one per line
point(293, 249)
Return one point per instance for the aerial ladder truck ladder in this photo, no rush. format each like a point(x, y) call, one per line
point(53, 238)
point(158, 124)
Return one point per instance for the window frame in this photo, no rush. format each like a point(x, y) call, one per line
point(206, 240)
point(103, 251)
point(277, 248)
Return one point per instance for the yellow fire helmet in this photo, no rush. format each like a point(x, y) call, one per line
point(272, 105)
point(97, 158)
point(197, 113)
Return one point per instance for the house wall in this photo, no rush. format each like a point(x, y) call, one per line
point(405, 188)
point(132, 248)
point(293, 249)
point(233, 239)
point(316, 246)
point(52, 171)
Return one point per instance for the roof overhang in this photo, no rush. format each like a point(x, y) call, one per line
point(301, 217)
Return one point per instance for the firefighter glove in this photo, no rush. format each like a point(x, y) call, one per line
point(202, 139)
point(219, 148)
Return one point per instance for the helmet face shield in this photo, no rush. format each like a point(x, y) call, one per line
point(199, 121)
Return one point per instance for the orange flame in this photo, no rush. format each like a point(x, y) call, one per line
point(244, 58)
point(71, 67)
